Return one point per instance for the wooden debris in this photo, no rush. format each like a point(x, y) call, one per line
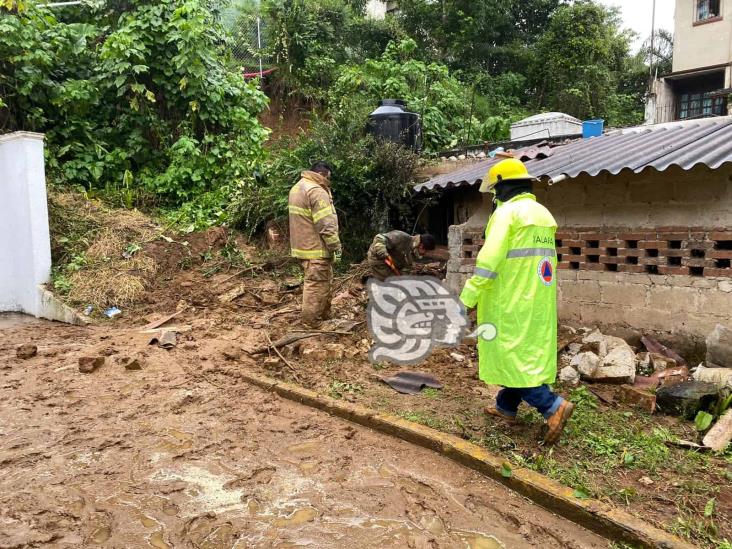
point(282, 342)
point(289, 365)
point(654, 346)
point(231, 295)
point(685, 444)
point(157, 323)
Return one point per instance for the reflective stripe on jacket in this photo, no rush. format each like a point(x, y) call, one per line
point(514, 287)
point(313, 219)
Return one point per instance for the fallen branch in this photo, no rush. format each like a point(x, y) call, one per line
point(281, 342)
point(290, 366)
point(239, 273)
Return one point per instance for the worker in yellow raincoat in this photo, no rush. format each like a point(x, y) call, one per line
point(515, 290)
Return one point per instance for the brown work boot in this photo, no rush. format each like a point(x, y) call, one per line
point(556, 422)
point(495, 412)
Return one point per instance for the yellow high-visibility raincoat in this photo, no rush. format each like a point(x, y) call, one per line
point(515, 289)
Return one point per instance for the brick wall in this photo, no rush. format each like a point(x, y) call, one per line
point(665, 251)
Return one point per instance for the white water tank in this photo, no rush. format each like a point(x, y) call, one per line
point(547, 124)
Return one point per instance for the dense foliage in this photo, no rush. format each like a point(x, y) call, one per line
point(429, 89)
point(371, 182)
point(143, 103)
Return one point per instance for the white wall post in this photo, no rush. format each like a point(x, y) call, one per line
point(25, 246)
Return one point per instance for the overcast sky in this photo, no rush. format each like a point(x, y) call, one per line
point(636, 15)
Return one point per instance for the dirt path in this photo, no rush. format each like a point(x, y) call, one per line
point(182, 455)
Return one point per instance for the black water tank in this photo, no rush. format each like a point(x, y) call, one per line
point(392, 121)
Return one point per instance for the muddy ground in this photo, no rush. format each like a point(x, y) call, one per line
point(183, 454)
point(236, 297)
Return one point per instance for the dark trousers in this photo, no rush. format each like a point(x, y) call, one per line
point(541, 398)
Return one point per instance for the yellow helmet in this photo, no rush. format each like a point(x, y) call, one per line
point(505, 170)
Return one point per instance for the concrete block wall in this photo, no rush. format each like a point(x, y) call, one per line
point(673, 304)
point(674, 214)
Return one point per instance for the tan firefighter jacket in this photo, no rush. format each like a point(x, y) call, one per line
point(313, 219)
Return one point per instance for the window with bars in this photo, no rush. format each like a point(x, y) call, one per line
point(698, 105)
point(707, 9)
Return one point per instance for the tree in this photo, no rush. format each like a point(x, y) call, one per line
point(490, 35)
point(579, 60)
point(144, 101)
point(663, 52)
point(309, 40)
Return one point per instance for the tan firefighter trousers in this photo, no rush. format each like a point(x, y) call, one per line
point(317, 290)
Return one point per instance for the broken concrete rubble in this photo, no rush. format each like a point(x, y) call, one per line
point(586, 363)
point(719, 347)
point(569, 376)
point(686, 398)
point(639, 398)
point(643, 364)
point(661, 362)
point(618, 366)
point(720, 435)
point(721, 377)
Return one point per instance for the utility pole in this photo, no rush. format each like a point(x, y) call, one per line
point(653, 35)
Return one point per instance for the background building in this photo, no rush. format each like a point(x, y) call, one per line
point(701, 78)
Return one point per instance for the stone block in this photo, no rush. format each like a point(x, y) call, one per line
point(88, 364)
point(639, 398)
point(632, 295)
point(673, 299)
point(686, 399)
point(719, 346)
point(581, 291)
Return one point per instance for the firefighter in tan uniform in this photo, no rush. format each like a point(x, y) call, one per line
point(314, 240)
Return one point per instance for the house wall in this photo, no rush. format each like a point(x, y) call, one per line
point(660, 103)
point(686, 295)
point(376, 9)
point(701, 45)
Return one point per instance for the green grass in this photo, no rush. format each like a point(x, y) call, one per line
point(425, 418)
point(430, 392)
point(337, 388)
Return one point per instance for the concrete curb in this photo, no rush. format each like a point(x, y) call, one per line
point(599, 517)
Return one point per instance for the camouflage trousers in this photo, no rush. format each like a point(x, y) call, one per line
point(378, 269)
point(317, 290)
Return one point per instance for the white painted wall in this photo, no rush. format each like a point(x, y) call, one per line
point(701, 45)
point(25, 248)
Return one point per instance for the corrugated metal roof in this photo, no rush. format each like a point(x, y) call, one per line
point(684, 144)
